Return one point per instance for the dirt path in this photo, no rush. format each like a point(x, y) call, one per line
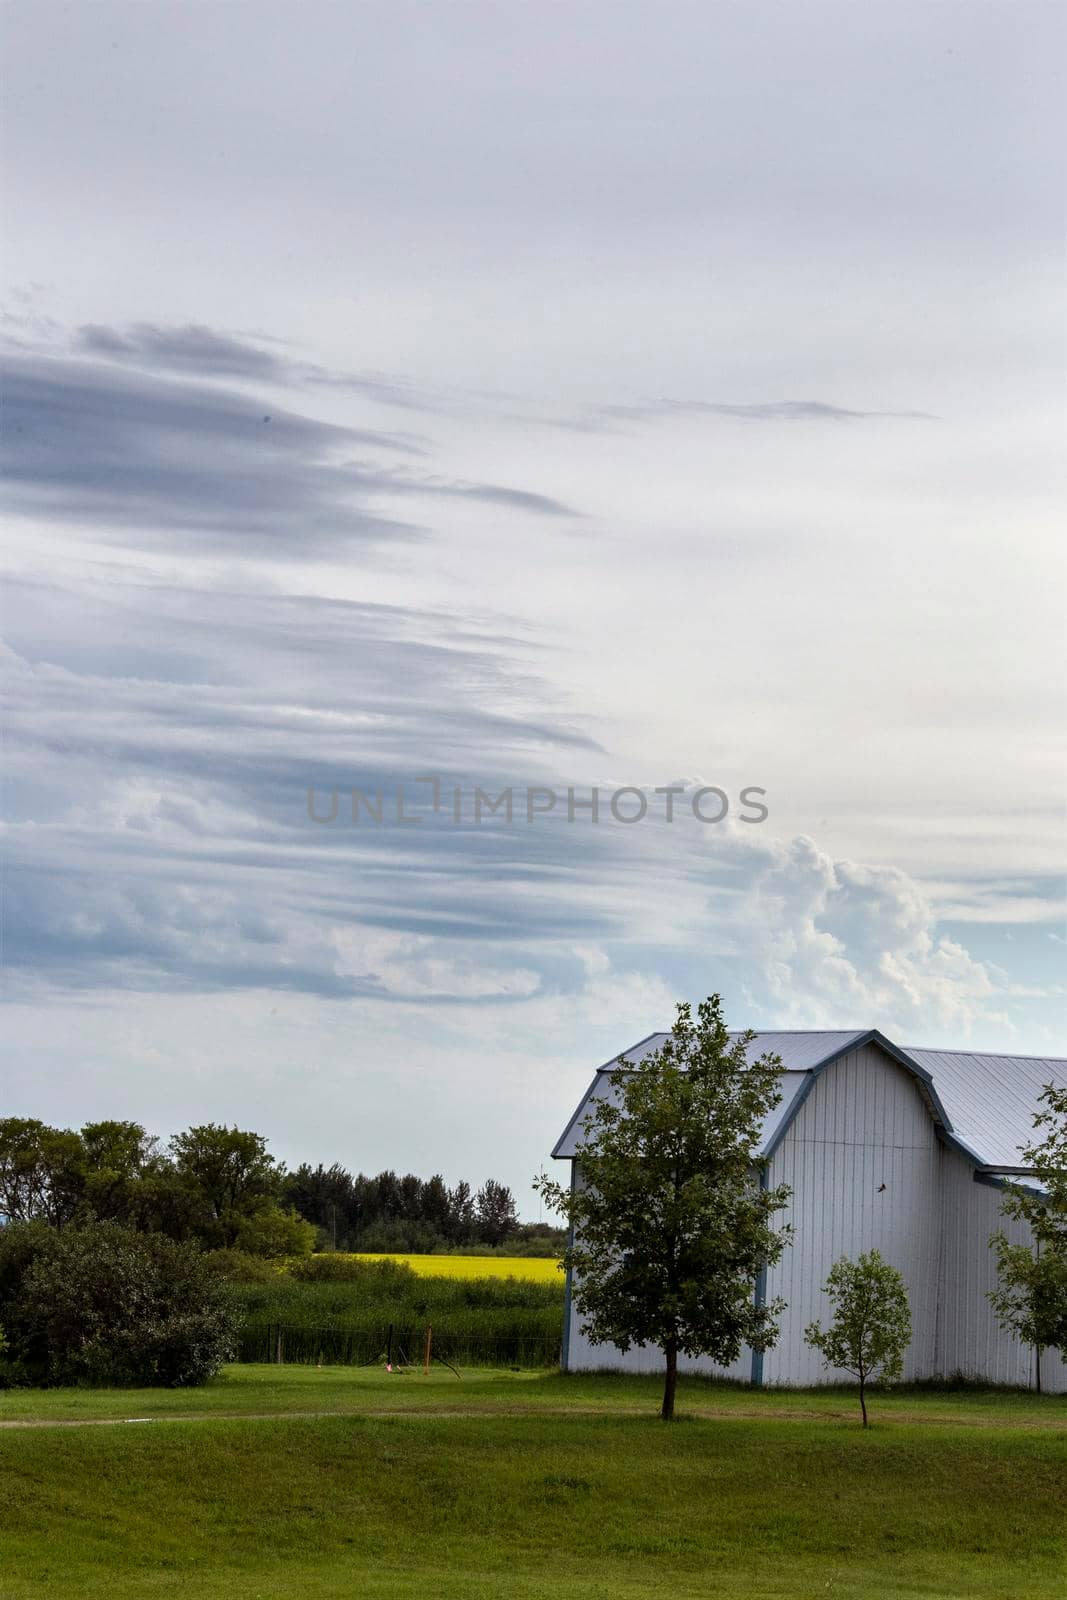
point(884, 1414)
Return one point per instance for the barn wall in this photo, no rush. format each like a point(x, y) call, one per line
point(862, 1159)
point(970, 1340)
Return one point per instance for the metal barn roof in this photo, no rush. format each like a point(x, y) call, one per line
point(991, 1099)
point(985, 1103)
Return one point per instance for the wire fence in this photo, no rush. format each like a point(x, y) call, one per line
point(395, 1344)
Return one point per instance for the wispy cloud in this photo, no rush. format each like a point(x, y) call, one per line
point(140, 457)
point(605, 418)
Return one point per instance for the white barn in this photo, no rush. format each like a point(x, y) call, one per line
point(900, 1150)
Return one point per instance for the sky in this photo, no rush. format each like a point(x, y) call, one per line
point(418, 399)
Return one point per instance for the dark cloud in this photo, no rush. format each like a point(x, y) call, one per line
point(140, 457)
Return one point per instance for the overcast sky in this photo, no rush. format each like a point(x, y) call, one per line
point(537, 396)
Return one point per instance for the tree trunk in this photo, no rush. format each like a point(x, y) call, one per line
point(1037, 1367)
point(863, 1401)
point(670, 1382)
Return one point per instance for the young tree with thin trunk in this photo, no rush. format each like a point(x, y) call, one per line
point(670, 1225)
point(871, 1327)
point(1031, 1297)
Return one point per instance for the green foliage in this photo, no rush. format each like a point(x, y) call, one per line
point(1031, 1300)
point(871, 1326)
point(235, 1266)
point(274, 1233)
point(671, 1227)
point(104, 1304)
point(495, 1212)
point(388, 1276)
point(41, 1171)
point(222, 1188)
point(340, 1309)
point(1031, 1297)
point(231, 1172)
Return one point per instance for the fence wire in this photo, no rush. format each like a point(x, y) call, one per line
point(401, 1343)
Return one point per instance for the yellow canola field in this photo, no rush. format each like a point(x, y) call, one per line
point(536, 1269)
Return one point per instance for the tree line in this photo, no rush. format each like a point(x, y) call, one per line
point(220, 1188)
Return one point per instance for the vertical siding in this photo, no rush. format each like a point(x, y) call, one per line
point(864, 1125)
point(971, 1340)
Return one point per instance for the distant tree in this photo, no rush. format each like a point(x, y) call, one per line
point(42, 1172)
point(397, 1234)
point(461, 1219)
point(1031, 1298)
point(231, 1173)
point(275, 1233)
point(671, 1226)
point(104, 1304)
point(327, 1196)
point(871, 1327)
point(410, 1198)
point(436, 1207)
point(496, 1216)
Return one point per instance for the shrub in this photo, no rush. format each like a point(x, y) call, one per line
point(103, 1304)
point(378, 1277)
point(275, 1233)
point(237, 1266)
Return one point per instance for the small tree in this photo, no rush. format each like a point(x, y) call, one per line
point(670, 1226)
point(1031, 1298)
point(871, 1327)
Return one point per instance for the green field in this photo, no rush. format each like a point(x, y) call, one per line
point(478, 1318)
point(293, 1482)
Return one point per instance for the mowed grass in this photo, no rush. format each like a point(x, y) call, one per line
point(537, 1487)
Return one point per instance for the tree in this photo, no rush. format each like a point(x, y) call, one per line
point(670, 1226)
point(871, 1327)
point(41, 1171)
point(461, 1223)
point(117, 1156)
point(231, 1173)
point(1031, 1298)
point(496, 1213)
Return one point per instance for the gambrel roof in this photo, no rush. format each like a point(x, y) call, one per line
point(982, 1104)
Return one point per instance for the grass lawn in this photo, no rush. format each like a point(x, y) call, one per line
point(537, 1487)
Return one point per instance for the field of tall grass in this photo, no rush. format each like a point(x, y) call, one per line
point(357, 1310)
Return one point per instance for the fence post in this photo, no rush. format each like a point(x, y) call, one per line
point(278, 1348)
point(429, 1342)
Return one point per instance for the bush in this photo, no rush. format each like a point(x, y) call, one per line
point(379, 1278)
point(275, 1233)
point(237, 1266)
point(103, 1304)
